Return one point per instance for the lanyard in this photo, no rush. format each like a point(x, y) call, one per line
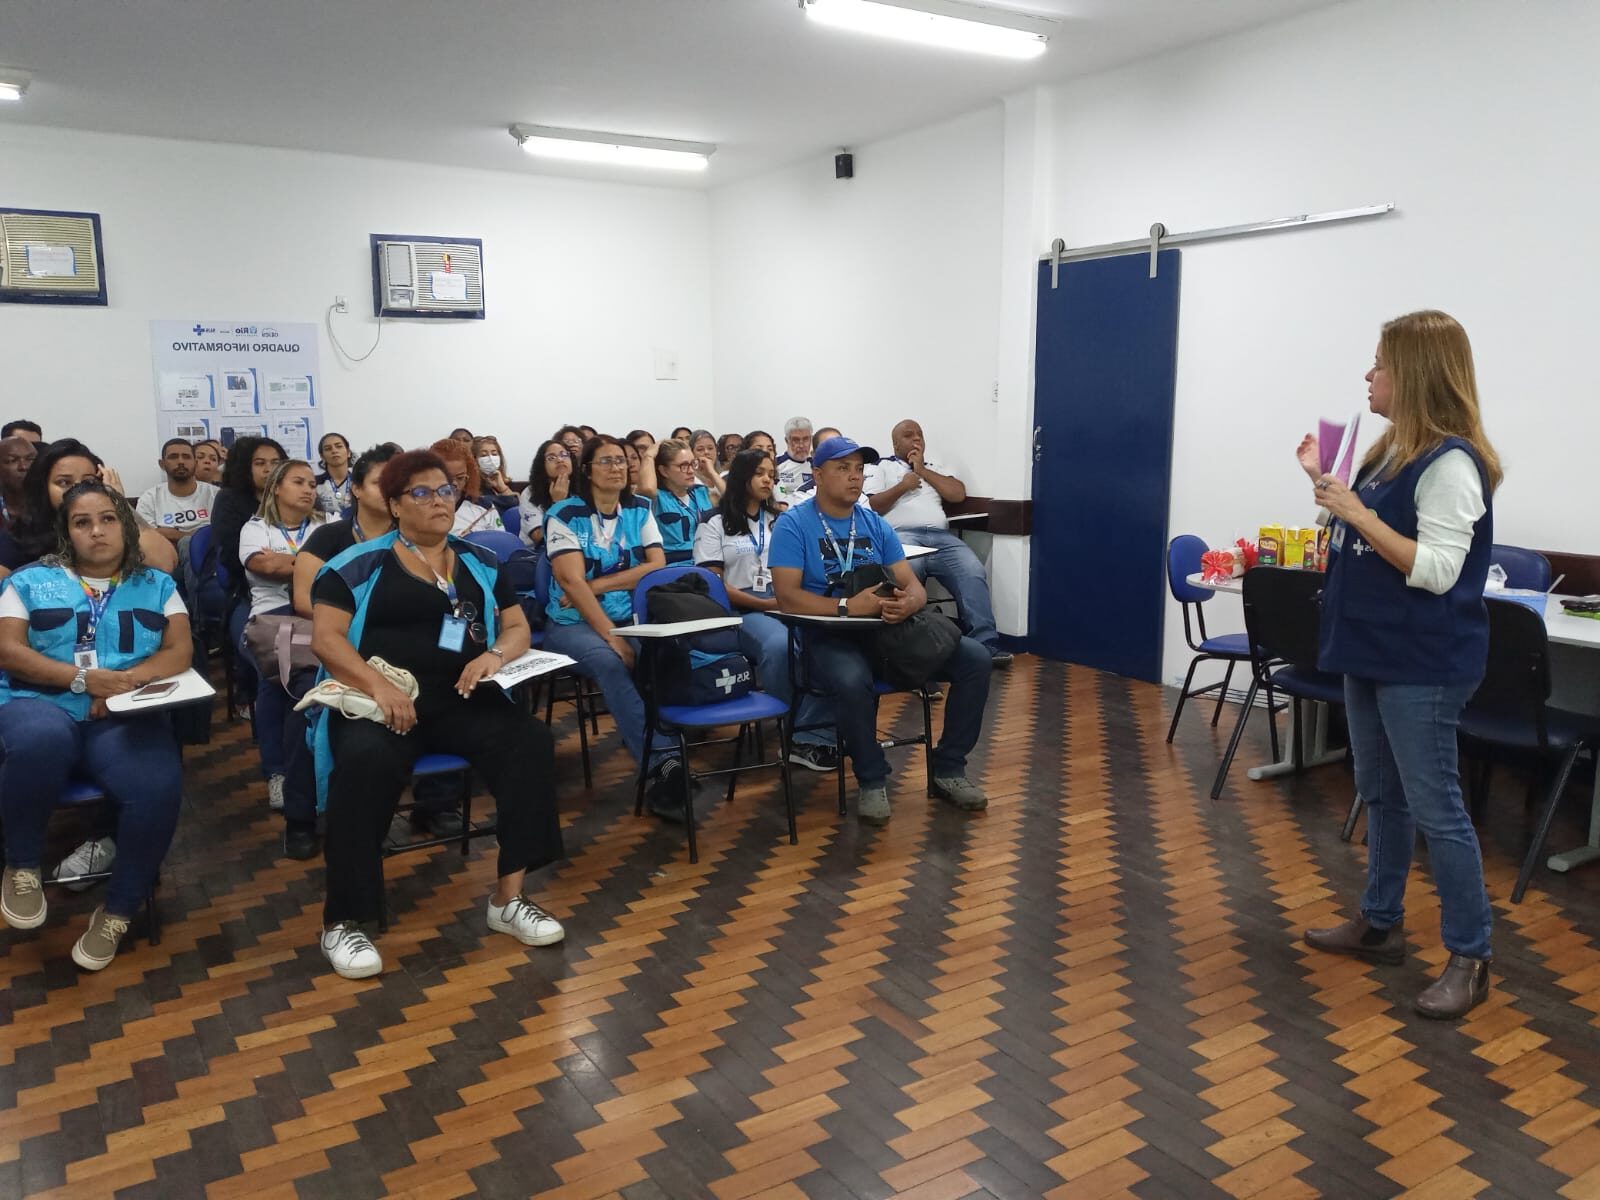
point(447, 586)
point(760, 543)
point(97, 604)
point(844, 560)
point(297, 537)
point(616, 534)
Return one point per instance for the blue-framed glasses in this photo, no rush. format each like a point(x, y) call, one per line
point(445, 491)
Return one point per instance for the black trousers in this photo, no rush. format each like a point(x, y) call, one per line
point(512, 751)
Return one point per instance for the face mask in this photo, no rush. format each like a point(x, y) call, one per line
point(488, 463)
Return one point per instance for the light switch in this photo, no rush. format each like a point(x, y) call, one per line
point(666, 364)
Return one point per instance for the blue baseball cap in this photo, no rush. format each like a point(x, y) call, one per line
point(841, 447)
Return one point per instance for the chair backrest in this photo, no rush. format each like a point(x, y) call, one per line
point(1283, 613)
point(1524, 568)
point(200, 546)
point(1516, 682)
point(641, 590)
point(511, 518)
point(502, 544)
point(1183, 560)
point(541, 581)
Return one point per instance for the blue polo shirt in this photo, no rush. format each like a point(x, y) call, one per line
point(801, 540)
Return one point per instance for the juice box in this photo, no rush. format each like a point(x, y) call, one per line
point(1310, 537)
point(1293, 548)
point(1324, 543)
point(1269, 546)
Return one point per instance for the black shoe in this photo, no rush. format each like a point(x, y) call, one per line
point(664, 797)
point(814, 757)
point(301, 842)
point(439, 823)
point(1000, 660)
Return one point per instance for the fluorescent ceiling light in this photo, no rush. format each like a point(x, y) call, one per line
point(13, 83)
point(581, 145)
point(945, 23)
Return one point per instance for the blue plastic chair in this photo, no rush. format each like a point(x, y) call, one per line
point(583, 697)
point(676, 720)
point(503, 545)
point(1183, 560)
point(1527, 570)
point(511, 518)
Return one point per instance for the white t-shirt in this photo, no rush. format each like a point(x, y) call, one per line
point(532, 517)
point(11, 604)
point(919, 508)
point(184, 513)
point(475, 518)
point(740, 556)
point(792, 472)
point(267, 594)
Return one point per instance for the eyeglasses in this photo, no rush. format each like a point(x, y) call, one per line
point(612, 461)
point(445, 491)
point(468, 611)
point(684, 466)
point(558, 456)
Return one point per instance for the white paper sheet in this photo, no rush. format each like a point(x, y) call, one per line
point(239, 392)
point(51, 262)
point(294, 435)
point(448, 285)
point(287, 391)
point(187, 393)
point(529, 666)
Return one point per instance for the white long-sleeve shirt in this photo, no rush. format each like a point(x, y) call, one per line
point(1449, 500)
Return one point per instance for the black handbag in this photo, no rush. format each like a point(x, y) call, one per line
point(705, 668)
point(907, 653)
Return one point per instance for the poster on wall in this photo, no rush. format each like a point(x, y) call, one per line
point(231, 379)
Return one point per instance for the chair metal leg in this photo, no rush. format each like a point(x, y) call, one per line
point(1233, 741)
point(583, 737)
point(838, 755)
point(783, 776)
point(738, 761)
point(927, 736)
point(1272, 726)
point(644, 765)
point(1183, 694)
point(1297, 752)
point(466, 811)
point(1351, 818)
point(1222, 693)
point(1543, 831)
point(688, 795)
point(152, 916)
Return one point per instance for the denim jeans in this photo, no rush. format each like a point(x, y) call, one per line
point(133, 759)
point(596, 660)
point(839, 662)
point(272, 706)
point(958, 568)
point(765, 640)
point(1403, 737)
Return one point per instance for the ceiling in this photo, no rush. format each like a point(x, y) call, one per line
point(427, 80)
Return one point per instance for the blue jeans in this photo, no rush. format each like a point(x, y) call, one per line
point(133, 759)
point(765, 639)
point(596, 660)
point(272, 706)
point(958, 568)
point(1403, 737)
point(839, 662)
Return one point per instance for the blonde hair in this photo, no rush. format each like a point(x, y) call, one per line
point(268, 509)
point(1429, 362)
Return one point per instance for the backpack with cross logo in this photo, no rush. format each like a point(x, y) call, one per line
point(706, 668)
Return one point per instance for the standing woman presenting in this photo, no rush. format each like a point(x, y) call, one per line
point(1403, 620)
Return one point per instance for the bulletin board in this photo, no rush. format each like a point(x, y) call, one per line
point(233, 379)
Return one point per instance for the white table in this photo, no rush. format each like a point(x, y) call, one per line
point(672, 629)
point(816, 619)
point(1575, 685)
point(919, 551)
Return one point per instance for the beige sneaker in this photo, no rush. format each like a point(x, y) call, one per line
point(98, 945)
point(22, 898)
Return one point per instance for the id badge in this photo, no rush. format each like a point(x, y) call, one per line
point(84, 656)
point(763, 582)
point(452, 634)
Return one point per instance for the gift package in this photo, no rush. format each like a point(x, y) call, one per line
point(1216, 565)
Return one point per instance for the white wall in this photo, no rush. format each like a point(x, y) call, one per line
point(583, 281)
point(861, 302)
point(1475, 118)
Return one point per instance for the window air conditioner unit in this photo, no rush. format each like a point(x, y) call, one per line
point(427, 277)
point(51, 258)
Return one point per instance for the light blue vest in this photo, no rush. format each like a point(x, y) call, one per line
point(129, 632)
point(359, 567)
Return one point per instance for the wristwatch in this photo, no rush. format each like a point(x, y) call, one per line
point(80, 681)
point(844, 606)
point(498, 653)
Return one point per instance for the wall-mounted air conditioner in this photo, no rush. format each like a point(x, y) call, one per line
point(51, 257)
point(427, 277)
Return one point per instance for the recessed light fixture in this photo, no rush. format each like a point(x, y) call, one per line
point(949, 24)
point(13, 83)
point(618, 149)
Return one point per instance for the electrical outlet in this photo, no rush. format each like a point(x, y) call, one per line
point(340, 304)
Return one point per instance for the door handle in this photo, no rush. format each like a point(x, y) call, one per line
point(1038, 443)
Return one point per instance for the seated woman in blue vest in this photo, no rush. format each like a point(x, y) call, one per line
point(601, 542)
point(87, 623)
point(439, 607)
point(1403, 620)
point(734, 543)
point(680, 502)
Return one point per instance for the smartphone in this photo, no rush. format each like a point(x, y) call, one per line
point(886, 590)
point(154, 691)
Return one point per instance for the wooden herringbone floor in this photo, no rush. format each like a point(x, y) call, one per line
point(1094, 989)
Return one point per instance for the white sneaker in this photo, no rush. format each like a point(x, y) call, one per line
point(526, 922)
point(275, 793)
point(350, 951)
point(97, 854)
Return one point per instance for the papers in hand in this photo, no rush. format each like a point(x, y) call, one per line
point(530, 666)
point(1336, 444)
point(192, 687)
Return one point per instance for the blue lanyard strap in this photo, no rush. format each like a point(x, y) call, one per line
point(295, 539)
point(447, 586)
point(844, 559)
point(97, 604)
point(760, 543)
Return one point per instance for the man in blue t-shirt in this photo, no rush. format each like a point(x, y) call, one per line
point(815, 546)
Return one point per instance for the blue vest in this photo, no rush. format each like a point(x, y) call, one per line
point(1376, 627)
point(624, 552)
point(129, 632)
point(359, 567)
point(678, 520)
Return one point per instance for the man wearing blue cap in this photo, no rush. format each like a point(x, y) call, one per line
point(815, 545)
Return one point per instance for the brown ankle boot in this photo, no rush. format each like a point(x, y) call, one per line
point(1462, 987)
point(1357, 937)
